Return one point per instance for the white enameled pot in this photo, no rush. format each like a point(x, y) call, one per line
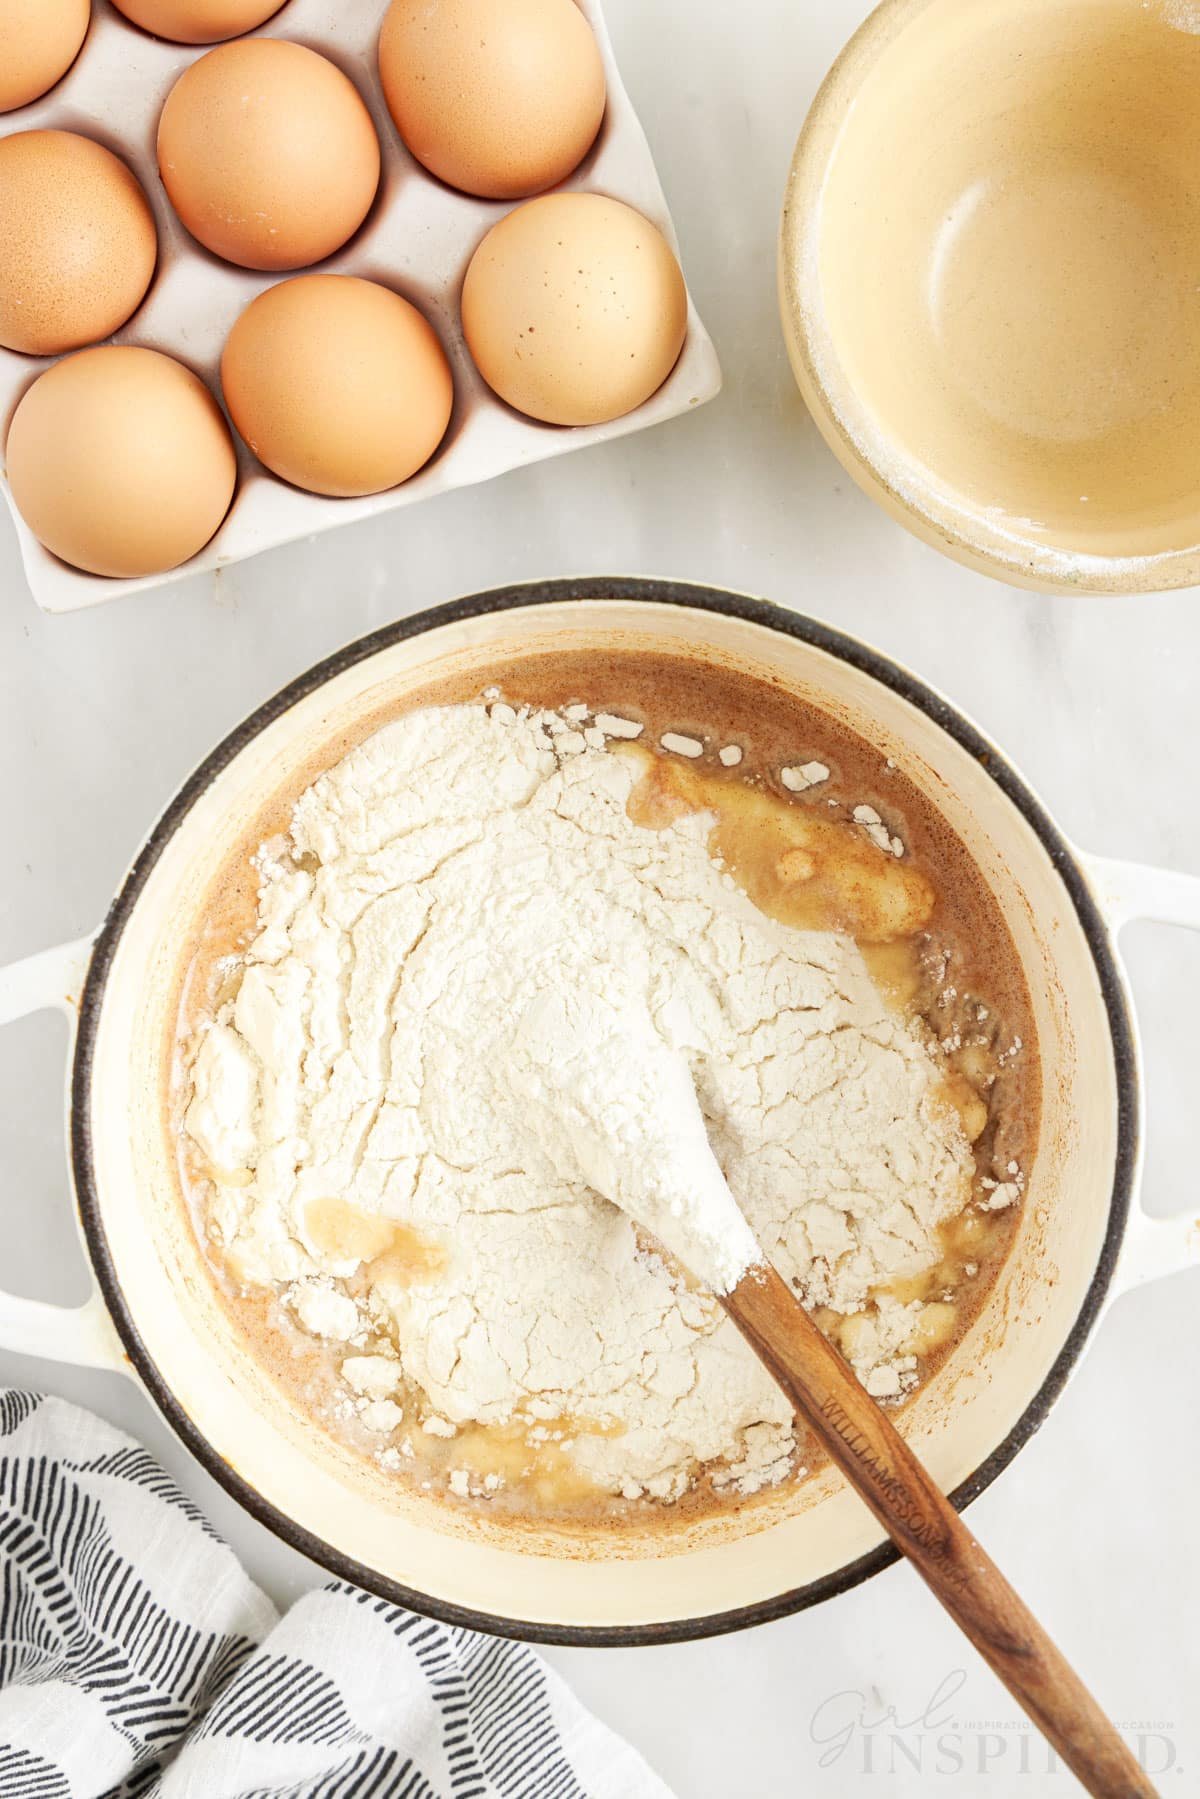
point(156, 1314)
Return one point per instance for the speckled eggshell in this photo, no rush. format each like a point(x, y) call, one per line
point(501, 98)
point(198, 21)
point(574, 309)
point(78, 242)
point(120, 461)
point(268, 154)
point(337, 384)
point(39, 40)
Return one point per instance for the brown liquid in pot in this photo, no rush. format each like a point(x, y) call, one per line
point(960, 964)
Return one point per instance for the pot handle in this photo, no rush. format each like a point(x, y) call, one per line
point(83, 1335)
point(1128, 891)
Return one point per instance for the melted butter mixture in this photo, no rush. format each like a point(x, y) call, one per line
point(534, 1455)
point(386, 1249)
point(812, 872)
point(929, 931)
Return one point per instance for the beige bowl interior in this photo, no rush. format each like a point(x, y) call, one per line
point(990, 273)
point(349, 1506)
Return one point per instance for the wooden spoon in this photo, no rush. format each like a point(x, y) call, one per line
point(923, 1524)
point(625, 1107)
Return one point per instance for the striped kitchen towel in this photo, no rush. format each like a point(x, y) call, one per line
point(137, 1658)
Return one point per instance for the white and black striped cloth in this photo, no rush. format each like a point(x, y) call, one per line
point(137, 1659)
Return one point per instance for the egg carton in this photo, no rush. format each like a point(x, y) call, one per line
point(417, 239)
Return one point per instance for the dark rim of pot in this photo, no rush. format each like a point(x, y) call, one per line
point(541, 593)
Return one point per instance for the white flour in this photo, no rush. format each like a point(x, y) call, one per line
point(612, 1102)
point(472, 976)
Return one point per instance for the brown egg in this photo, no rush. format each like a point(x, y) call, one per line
point(78, 237)
point(268, 154)
point(198, 21)
point(498, 97)
point(39, 40)
point(574, 309)
point(120, 461)
point(338, 385)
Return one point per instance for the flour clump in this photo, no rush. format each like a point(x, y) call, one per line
point(373, 1155)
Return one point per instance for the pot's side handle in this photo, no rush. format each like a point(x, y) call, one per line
point(1128, 891)
point(83, 1335)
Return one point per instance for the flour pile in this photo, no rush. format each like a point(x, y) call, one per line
point(460, 898)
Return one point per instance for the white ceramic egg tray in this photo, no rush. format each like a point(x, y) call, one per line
point(418, 239)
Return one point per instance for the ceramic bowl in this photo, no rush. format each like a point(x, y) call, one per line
point(990, 282)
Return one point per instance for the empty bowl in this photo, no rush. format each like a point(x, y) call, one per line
point(990, 282)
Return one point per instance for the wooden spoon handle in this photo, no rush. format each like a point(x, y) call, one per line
point(922, 1523)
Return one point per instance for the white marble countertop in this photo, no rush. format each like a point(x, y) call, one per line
point(102, 713)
